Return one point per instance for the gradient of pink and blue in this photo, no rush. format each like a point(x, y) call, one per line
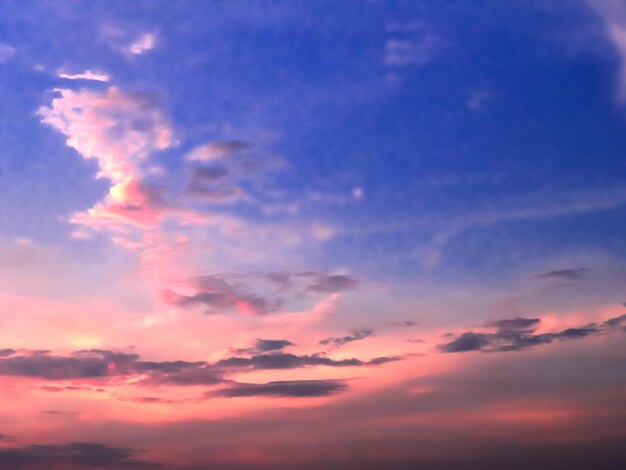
point(312, 235)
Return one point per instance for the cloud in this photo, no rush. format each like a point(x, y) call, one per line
point(281, 280)
point(6, 438)
point(144, 43)
point(104, 365)
point(219, 193)
point(293, 389)
point(76, 455)
point(79, 365)
point(86, 75)
point(330, 283)
point(220, 296)
point(613, 14)
point(218, 150)
point(206, 174)
point(265, 345)
point(563, 274)
point(355, 336)
point(514, 324)
point(6, 52)
point(477, 99)
point(517, 335)
point(410, 44)
point(118, 129)
point(292, 361)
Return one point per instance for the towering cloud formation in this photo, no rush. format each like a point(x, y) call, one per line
point(118, 129)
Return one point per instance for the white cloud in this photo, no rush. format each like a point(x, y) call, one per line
point(86, 75)
point(218, 150)
point(613, 14)
point(418, 50)
point(145, 43)
point(116, 128)
point(6, 52)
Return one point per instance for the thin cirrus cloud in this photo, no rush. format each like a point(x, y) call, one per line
point(6, 52)
point(86, 75)
point(218, 150)
point(613, 15)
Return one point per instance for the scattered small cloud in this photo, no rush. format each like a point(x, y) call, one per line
point(144, 43)
point(414, 51)
point(477, 99)
point(354, 336)
point(6, 52)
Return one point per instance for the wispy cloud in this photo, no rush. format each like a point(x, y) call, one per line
point(218, 150)
point(613, 14)
point(6, 52)
point(86, 75)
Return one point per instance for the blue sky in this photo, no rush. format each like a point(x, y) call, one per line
point(465, 119)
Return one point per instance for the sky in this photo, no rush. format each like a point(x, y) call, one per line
point(312, 234)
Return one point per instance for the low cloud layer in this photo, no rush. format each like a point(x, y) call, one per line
point(293, 388)
point(78, 455)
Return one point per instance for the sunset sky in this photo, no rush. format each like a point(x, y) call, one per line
point(296, 234)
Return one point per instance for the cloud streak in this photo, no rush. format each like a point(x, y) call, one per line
point(517, 335)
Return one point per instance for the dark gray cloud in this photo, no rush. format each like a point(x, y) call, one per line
point(150, 400)
point(517, 334)
point(284, 361)
point(281, 280)
point(265, 345)
point(219, 296)
point(79, 365)
point(76, 455)
point(206, 174)
point(6, 438)
point(514, 324)
point(292, 388)
point(102, 364)
point(316, 282)
point(563, 274)
point(355, 336)
point(291, 361)
point(7, 352)
point(61, 413)
point(324, 283)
